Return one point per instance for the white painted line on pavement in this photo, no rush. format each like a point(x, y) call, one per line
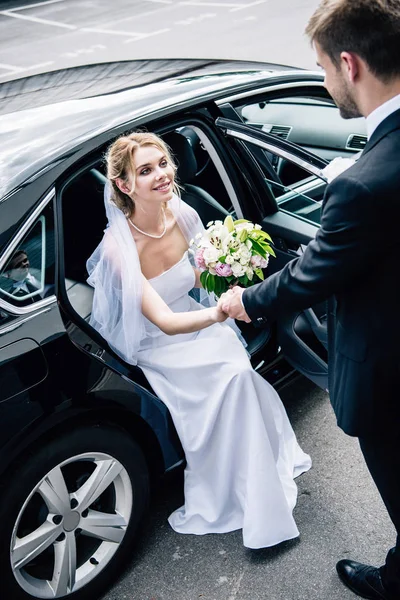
point(34, 5)
point(110, 31)
point(234, 6)
point(149, 13)
point(146, 35)
point(75, 53)
point(192, 20)
point(14, 15)
point(244, 6)
point(199, 3)
point(133, 35)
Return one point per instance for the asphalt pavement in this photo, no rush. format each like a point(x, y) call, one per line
point(339, 515)
point(54, 34)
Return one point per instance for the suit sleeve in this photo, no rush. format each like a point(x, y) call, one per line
point(341, 252)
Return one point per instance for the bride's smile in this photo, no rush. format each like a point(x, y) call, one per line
point(153, 174)
point(164, 187)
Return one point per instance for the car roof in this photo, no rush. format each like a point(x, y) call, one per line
point(93, 100)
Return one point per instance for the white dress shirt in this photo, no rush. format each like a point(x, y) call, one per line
point(379, 114)
point(21, 285)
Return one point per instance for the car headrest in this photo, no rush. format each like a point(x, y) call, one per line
point(183, 154)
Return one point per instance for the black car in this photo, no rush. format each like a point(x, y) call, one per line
point(82, 432)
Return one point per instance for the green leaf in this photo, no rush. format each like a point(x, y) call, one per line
point(211, 282)
point(258, 248)
point(222, 259)
point(203, 279)
point(217, 286)
point(263, 234)
point(270, 250)
point(259, 273)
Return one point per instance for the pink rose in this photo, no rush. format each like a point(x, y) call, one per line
point(258, 262)
point(255, 261)
point(199, 259)
point(223, 270)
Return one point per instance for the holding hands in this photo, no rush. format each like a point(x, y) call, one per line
point(231, 304)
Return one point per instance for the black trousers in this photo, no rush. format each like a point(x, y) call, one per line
point(382, 455)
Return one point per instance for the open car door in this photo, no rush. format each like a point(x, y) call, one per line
point(292, 187)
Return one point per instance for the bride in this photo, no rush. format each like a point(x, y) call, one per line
point(241, 452)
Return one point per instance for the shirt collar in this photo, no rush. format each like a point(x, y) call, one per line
point(20, 285)
point(379, 114)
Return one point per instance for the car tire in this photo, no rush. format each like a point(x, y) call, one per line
point(69, 514)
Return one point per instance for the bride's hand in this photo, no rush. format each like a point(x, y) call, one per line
point(220, 314)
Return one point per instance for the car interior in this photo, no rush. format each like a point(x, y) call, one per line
point(201, 187)
point(311, 121)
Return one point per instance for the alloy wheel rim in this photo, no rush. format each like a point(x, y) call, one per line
point(71, 525)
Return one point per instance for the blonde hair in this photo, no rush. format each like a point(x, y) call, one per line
point(369, 28)
point(120, 164)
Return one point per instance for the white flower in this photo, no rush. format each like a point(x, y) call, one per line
point(211, 255)
point(210, 223)
point(244, 253)
point(249, 273)
point(191, 242)
point(218, 235)
point(212, 271)
point(229, 259)
point(336, 167)
point(258, 227)
point(198, 236)
point(227, 242)
point(249, 244)
point(237, 269)
point(246, 226)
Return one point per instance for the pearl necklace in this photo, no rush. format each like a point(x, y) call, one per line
point(157, 237)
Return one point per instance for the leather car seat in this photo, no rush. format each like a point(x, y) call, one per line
point(209, 210)
point(206, 205)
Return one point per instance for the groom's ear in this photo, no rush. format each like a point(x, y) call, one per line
point(123, 185)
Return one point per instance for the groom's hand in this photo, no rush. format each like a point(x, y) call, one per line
point(231, 303)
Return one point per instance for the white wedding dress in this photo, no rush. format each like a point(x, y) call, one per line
point(241, 452)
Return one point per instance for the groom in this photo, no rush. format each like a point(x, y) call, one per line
point(355, 257)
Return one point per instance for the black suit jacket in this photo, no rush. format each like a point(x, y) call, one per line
point(355, 258)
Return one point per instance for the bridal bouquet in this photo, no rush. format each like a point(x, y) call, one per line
point(231, 252)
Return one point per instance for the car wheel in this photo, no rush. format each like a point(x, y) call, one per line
point(69, 515)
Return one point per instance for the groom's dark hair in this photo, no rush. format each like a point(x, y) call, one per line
point(369, 28)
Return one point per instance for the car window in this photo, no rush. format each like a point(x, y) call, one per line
point(294, 189)
point(28, 275)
